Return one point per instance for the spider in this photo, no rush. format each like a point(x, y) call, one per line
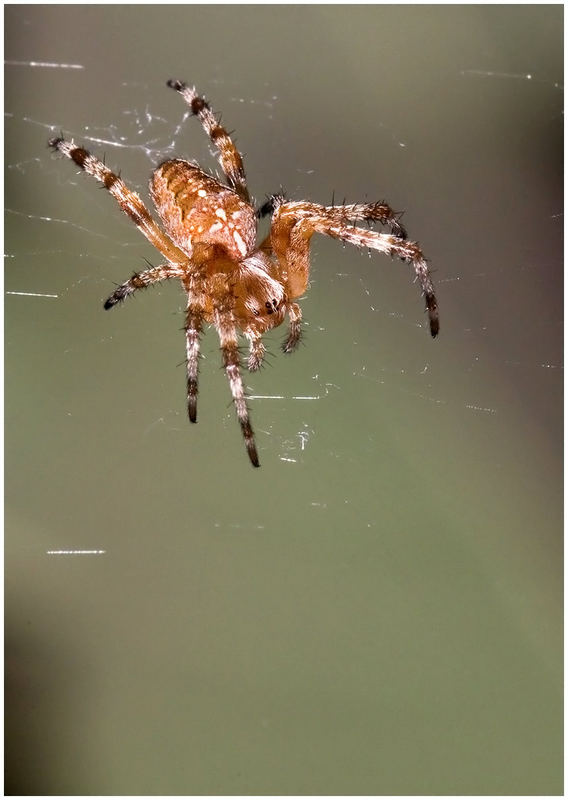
point(208, 241)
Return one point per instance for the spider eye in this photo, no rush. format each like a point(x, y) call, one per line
point(271, 307)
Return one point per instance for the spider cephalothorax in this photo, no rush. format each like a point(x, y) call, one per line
point(208, 242)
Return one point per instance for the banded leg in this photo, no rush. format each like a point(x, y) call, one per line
point(370, 212)
point(393, 246)
point(288, 214)
point(128, 200)
point(141, 280)
point(193, 327)
point(229, 157)
point(225, 324)
point(295, 223)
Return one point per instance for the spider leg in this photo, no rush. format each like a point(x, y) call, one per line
point(257, 350)
point(229, 157)
point(406, 251)
point(140, 280)
point(128, 200)
point(295, 223)
point(272, 202)
point(301, 264)
point(295, 330)
point(193, 327)
point(226, 327)
point(370, 212)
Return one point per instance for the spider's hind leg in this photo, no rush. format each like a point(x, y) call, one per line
point(229, 156)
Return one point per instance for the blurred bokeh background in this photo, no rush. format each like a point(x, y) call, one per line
point(378, 609)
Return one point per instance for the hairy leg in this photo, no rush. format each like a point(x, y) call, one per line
point(295, 223)
point(257, 351)
point(370, 212)
point(393, 246)
point(225, 324)
point(141, 280)
point(128, 200)
point(295, 331)
point(229, 157)
point(193, 327)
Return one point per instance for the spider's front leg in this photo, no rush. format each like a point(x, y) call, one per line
point(294, 223)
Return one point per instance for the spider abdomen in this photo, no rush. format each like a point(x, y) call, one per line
point(197, 209)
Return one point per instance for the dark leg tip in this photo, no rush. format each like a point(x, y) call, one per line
point(118, 296)
point(291, 342)
point(432, 307)
point(253, 455)
point(173, 83)
point(271, 204)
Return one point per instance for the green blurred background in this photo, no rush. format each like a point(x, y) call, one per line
point(378, 609)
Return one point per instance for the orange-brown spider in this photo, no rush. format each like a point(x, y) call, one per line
point(209, 243)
